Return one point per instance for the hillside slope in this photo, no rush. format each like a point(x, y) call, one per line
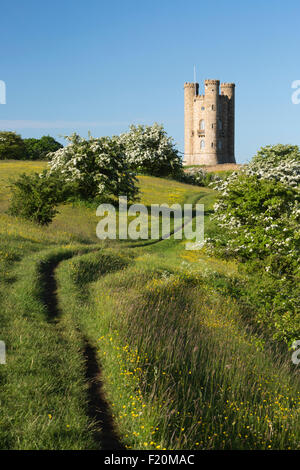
point(115, 344)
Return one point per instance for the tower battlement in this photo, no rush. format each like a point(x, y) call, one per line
point(212, 82)
point(227, 85)
point(189, 85)
point(209, 123)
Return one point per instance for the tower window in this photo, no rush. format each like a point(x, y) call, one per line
point(202, 144)
point(220, 124)
point(212, 144)
point(212, 107)
point(220, 145)
point(202, 125)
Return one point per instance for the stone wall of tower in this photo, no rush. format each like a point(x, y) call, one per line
point(190, 91)
point(228, 91)
point(199, 133)
point(223, 133)
point(209, 123)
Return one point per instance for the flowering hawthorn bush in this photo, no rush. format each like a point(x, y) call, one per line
point(261, 218)
point(198, 176)
point(96, 167)
point(258, 216)
point(277, 162)
point(150, 150)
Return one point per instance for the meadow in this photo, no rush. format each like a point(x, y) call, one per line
point(136, 345)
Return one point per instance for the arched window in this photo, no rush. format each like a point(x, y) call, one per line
point(202, 144)
point(220, 124)
point(202, 125)
point(220, 144)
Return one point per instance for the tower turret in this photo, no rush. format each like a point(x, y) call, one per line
point(228, 92)
point(211, 121)
point(190, 91)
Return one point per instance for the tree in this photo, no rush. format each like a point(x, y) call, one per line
point(11, 146)
point(38, 149)
point(277, 162)
point(149, 150)
point(274, 154)
point(96, 167)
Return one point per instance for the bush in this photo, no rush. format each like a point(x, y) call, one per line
point(258, 219)
point(12, 146)
point(277, 162)
point(259, 207)
point(196, 176)
point(95, 167)
point(35, 197)
point(261, 218)
point(275, 154)
point(38, 149)
point(149, 150)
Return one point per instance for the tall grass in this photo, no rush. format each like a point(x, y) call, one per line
point(181, 369)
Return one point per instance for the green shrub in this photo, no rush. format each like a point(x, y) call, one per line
point(257, 217)
point(35, 197)
point(261, 219)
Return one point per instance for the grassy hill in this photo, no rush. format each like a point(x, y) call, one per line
point(138, 345)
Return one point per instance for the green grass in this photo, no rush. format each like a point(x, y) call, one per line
point(180, 365)
point(42, 386)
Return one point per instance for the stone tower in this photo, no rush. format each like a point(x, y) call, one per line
point(209, 123)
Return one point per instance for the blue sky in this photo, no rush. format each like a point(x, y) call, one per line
point(74, 65)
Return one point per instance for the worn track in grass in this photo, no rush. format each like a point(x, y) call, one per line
point(105, 434)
